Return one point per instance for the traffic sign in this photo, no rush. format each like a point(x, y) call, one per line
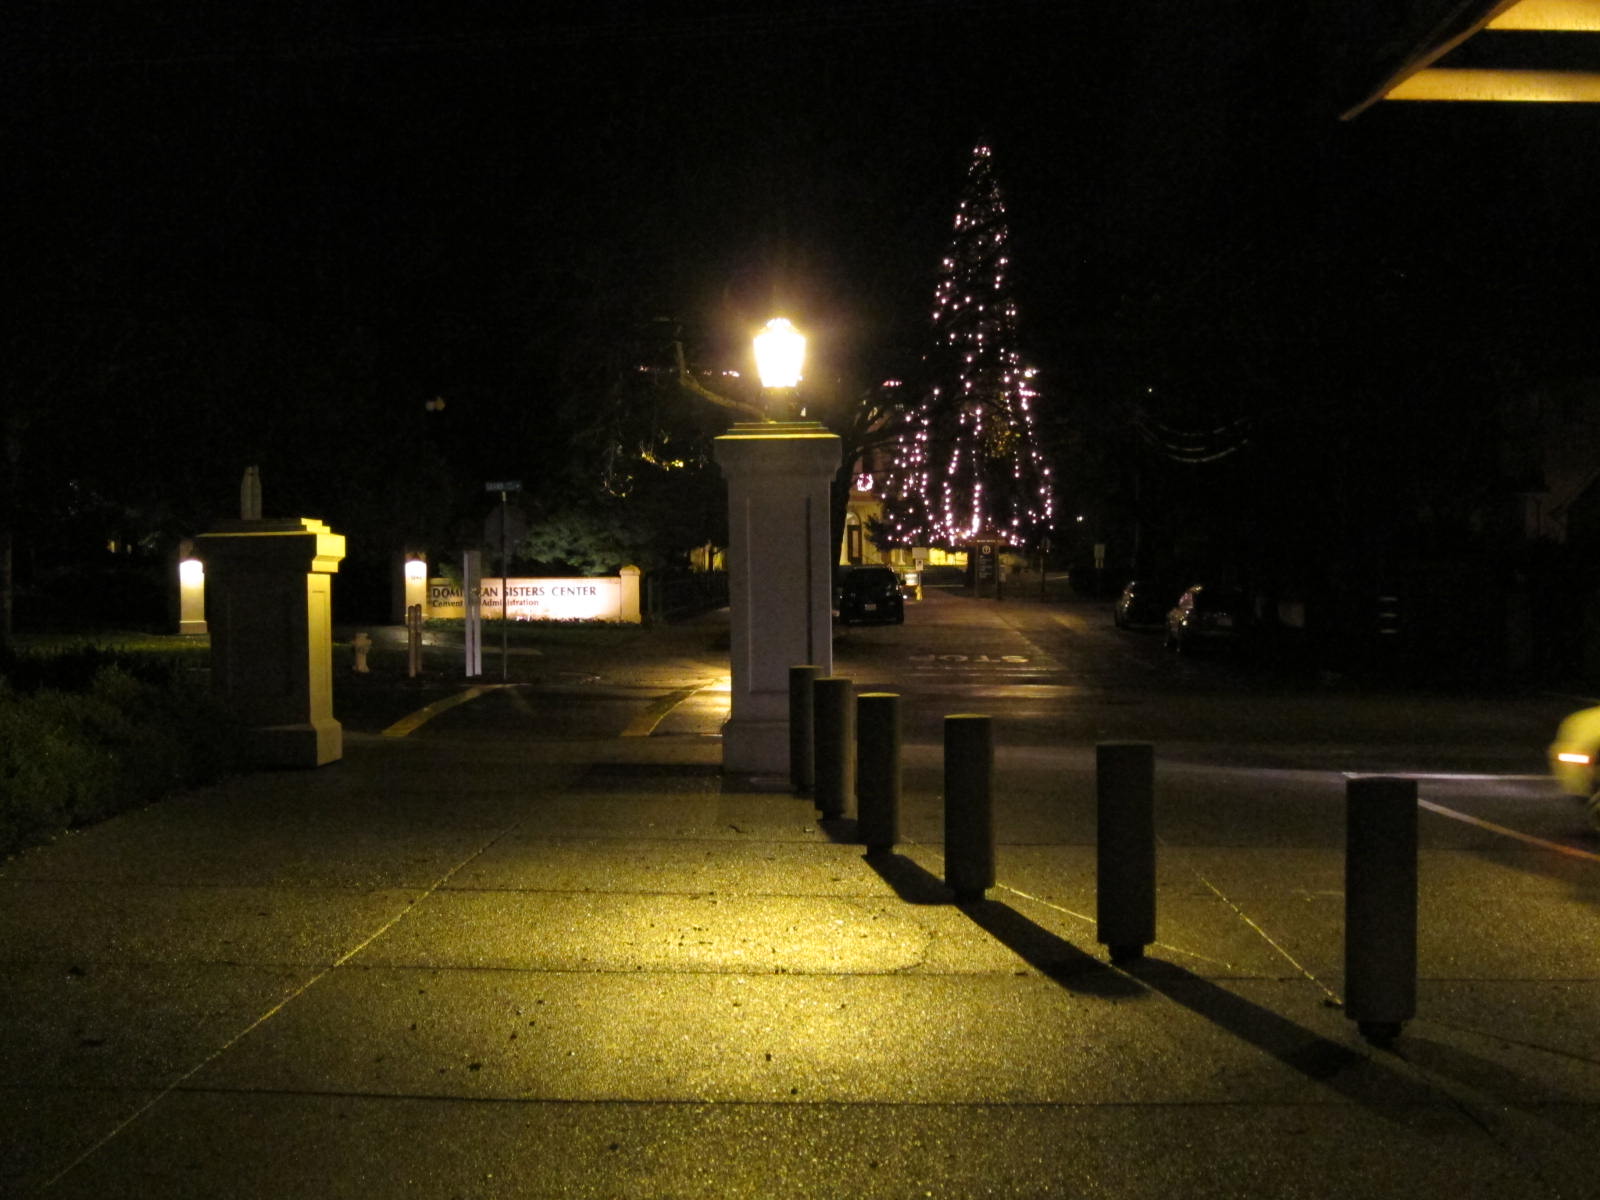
point(504, 485)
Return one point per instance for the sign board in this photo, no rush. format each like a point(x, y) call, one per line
point(580, 599)
point(986, 561)
point(504, 485)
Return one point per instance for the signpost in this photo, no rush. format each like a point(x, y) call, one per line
point(472, 625)
point(504, 486)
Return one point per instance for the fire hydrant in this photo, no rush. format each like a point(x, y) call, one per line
point(361, 643)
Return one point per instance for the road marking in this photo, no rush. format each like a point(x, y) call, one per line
point(1569, 851)
point(973, 658)
point(645, 723)
point(422, 716)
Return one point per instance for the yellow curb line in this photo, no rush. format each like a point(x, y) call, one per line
point(422, 716)
point(645, 723)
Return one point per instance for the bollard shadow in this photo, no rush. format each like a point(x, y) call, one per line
point(911, 882)
point(839, 830)
point(1488, 1077)
point(1051, 955)
point(1353, 1074)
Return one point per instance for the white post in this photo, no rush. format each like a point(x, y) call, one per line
point(629, 610)
point(780, 580)
point(416, 581)
point(191, 597)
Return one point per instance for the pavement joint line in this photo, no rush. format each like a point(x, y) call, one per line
point(1267, 937)
point(413, 722)
point(645, 723)
point(177, 1084)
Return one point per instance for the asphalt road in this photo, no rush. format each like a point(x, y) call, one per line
point(1247, 750)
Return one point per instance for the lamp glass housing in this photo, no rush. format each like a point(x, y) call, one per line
point(780, 351)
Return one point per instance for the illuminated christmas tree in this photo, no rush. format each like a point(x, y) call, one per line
point(967, 462)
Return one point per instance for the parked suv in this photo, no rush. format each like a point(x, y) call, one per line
point(871, 594)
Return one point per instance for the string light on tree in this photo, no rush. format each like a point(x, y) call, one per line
point(969, 461)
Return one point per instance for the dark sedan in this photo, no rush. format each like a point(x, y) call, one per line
point(1208, 613)
point(871, 594)
point(1143, 602)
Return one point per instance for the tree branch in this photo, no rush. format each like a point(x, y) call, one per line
point(689, 383)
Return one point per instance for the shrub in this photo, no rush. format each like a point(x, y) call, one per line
point(126, 735)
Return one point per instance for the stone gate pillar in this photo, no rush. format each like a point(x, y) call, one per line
point(780, 580)
point(272, 634)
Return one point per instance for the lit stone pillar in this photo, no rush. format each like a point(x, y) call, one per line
point(628, 610)
point(780, 580)
point(191, 592)
point(272, 634)
point(416, 582)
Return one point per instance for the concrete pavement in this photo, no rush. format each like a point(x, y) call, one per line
point(587, 966)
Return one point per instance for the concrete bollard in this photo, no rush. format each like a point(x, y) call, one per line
point(833, 714)
point(801, 728)
point(968, 805)
point(878, 770)
point(360, 644)
point(1125, 848)
point(1380, 905)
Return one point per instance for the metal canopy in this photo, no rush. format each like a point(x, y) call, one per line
point(1496, 51)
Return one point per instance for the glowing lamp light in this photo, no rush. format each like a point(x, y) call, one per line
point(780, 351)
point(191, 573)
point(416, 568)
point(1571, 757)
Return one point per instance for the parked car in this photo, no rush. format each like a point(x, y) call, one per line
point(1208, 613)
point(871, 594)
point(1574, 756)
point(1143, 602)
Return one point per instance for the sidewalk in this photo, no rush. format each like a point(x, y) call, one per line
point(587, 968)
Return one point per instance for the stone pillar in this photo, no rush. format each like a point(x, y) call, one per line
point(272, 634)
point(415, 586)
point(629, 610)
point(191, 592)
point(780, 580)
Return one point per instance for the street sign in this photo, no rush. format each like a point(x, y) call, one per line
point(504, 485)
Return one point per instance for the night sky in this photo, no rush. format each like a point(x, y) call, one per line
point(254, 232)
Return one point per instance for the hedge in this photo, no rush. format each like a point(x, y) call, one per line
point(90, 733)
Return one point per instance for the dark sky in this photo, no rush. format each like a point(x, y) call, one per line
point(451, 199)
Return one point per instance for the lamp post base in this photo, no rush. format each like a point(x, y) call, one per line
point(313, 744)
point(756, 747)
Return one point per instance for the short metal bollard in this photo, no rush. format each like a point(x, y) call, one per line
point(1380, 905)
point(1125, 848)
point(968, 804)
point(878, 770)
point(413, 640)
point(801, 734)
point(834, 714)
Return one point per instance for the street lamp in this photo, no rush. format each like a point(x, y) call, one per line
point(778, 474)
point(780, 353)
